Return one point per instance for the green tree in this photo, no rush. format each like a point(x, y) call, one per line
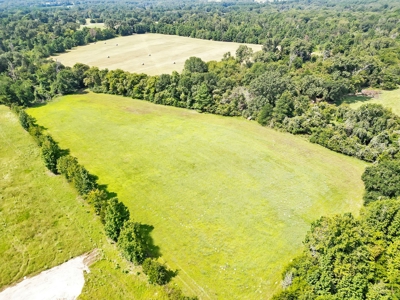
point(202, 98)
point(50, 154)
point(83, 181)
point(98, 198)
point(265, 115)
point(131, 243)
point(65, 83)
point(243, 53)
point(284, 107)
point(195, 65)
point(25, 120)
point(68, 166)
point(382, 180)
point(115, 217)
point(266, 88)
point(79, 71)
point(156, 272)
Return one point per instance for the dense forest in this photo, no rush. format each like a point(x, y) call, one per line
point(314, 54)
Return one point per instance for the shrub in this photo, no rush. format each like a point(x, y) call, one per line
point(131, 242)
point(156, 272)
point(98, 199)
point(116, 215)
point(50, 154)
point(83, 181)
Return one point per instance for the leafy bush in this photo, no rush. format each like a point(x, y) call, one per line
point(131, 242)
point(115, 217)
point(156, 272)
point(382, 180)
point(98, 199)
point(50, 154)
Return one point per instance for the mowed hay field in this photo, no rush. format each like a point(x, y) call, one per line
point(389, 99)
point(230, 201)
point(42, 223)
point(152, 54)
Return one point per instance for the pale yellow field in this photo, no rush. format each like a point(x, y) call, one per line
point(93, 25)
point(152, 54)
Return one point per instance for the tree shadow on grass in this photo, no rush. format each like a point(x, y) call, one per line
point(353, 99)
point(82, 91)
point(38, 104)
point(103, 187)
point(64, 152)
point(171, 274)
point(152, 250)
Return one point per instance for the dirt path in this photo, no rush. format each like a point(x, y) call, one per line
point(62, 282)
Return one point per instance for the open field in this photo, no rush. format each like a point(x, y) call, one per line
point(389, 99)
point(133, 51)
point(92, 25)
point(44, 224)
point(230, 201)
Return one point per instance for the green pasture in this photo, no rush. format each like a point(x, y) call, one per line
point(389, 99)
point(230, 201)
point(43, 223)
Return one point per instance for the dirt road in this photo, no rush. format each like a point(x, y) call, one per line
point(62, 282)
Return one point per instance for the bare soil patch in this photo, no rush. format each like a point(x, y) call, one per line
point(62, 282)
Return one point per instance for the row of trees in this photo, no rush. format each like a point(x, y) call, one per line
point(131, 237)
point(270, 93)
point(274, 98)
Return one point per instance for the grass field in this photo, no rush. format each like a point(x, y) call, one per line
point(389, 99)
point(92, 25)
point(133, 51)
point(230, 201)
point(43, 223)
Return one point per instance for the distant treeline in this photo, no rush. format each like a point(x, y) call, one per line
point(312, 57)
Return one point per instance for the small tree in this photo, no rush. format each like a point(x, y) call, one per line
point(243, 53)
point(67, 165)
point(98, 199)
point(50, 154)
point(25, 120)
point(131, 242)
point(265, 115)
point(116, 214)
point(195, 65)
point(202, 97)
point(156, 272)
point(83, 181)
point(284, 107)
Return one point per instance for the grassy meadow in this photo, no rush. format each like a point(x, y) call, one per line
point(43, 223)
point(389, 99)
point(92, 25)
point(230, 201)
point(150, 53)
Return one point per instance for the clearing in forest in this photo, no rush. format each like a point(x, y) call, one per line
point(230, 201)
point(389, 99)
point(152, 54)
